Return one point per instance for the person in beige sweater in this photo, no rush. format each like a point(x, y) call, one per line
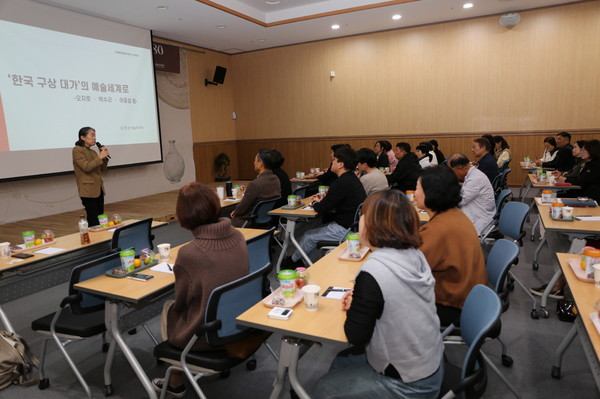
point(217, 255)
point(450, 242)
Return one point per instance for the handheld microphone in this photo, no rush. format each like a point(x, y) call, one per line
point(100, 147)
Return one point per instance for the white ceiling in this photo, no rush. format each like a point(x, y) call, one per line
point(258, 25)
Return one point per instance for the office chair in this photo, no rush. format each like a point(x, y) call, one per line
point(301, 191)
point(331, 245)
point(501, 200)
point(220, 329)
point(502, 182)
point(505, 165)
point(136, 235)
point(479, 320)
point(260, 214)
point(84, 317)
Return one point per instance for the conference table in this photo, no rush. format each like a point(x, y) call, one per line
point(45, 270)
point(534, 183)
point(326, 325)
point(122, 293)
point(574, 229)
point(585, 295)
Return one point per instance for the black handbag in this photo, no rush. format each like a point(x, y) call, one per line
point(566, 310)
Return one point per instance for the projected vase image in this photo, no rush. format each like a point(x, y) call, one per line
point(174, 166)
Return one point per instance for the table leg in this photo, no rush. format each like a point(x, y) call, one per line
point(536, 254)
point(560, 351)
point(296, 244)
point(5, 321)
point(548, 290)
point(286, 242)
point(289, 353)
point(112, 318)
point(527, 184)
point(535, 225)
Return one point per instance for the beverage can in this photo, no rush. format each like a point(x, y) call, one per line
point(353, 241)
point(287, 281)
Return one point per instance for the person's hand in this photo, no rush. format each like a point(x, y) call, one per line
point(475, 164)
point(104, 153)
point(538, 162)
point(561, 179)
point(318, 197)
point(556, 173)
point(347, 300)
point(232, 215)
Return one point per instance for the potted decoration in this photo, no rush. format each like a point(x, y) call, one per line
point(222, 162)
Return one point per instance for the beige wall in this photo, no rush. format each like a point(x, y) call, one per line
point(469, 76)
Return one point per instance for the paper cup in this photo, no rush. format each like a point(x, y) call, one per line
point(311, 297)
point(596, 268)
point(164, 250)
point(221, 192)
point(4, 249)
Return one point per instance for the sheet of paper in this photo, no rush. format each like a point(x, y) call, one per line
point(163, 267)
point(335, 292)
point(588, 218)
point(49, 251)
point(111, 230)
point(308, 208)
point(230, 199)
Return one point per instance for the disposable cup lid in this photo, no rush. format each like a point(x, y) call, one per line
point(286, 274)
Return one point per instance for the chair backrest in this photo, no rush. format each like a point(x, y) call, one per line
point(357, 215)
point(259, 251)
point(502, 200)
point(301, 191)
point(504, 165)
point(502, 256)
point(504, 175)
point(496, 181)
point(136, 235)
point(86, 271)
point(260, 213)
point(512, 220)
point(229, 301)
point(479, 316)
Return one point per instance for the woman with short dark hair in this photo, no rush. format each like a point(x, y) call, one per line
point(391, 319)
point(217, 255)
point(382, 158)
point(501, 151)
point(550, 149)
point(450, 242)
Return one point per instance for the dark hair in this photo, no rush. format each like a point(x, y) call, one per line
point(483, 142)
point(391, 221)
point(503, 143)
point(566, 135)
point(580, 143)
point(434, 143)
point(490, 140)
point(83, 132)
point(458, 160)
point(197, 205)
point(427, 145)
point(593, 147)
point(441, 188)
point(551, 141)
point(347, 156)
point(387, 146)
point(278, 159)
point(368, 156)
point(266, 157)
point(422, 148)
point(404, 146)
point(337, 146)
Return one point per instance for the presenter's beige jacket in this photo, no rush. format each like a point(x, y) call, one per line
point(88, 166)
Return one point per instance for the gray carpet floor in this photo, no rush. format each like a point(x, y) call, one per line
point(531, 343)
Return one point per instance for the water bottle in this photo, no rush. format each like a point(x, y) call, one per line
point(84, 233)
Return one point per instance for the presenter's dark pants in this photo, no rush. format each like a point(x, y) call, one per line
point(93, 208)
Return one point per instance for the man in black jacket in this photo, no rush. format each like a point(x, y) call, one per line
point(345, 195)
point(564, 159)
point(407, 171)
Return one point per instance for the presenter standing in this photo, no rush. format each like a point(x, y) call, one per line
point(88, 166)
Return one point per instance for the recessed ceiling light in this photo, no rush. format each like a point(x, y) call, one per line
point(220, 26)
point(336, 26)
point(467, 5)
point(397, 16)
point(272, 2)
point(161, 7)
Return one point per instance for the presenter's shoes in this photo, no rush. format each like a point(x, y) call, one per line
point(159, 383)
point(556, 294)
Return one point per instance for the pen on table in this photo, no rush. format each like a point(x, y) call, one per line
point(170, 268)
point(339, 289)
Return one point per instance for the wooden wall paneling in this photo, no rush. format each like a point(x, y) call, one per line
point(205, 154)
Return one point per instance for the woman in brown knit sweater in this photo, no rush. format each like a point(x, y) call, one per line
point(450, 242)
point(217, 255)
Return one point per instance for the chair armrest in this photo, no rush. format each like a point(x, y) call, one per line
point(211, 326)
point(73, 298)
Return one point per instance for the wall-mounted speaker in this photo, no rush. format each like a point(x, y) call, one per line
point(218, 78)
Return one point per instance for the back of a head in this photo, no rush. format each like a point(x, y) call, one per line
point(593, 148)
point(565, 135)
point(387, 146)
point(423, 148)
point(278, 159)
point(197, 205)
point(458, 160)
point(502, 141)
point(338, 146)
point(404, 146)
point(490, 140)
point(434, 143)
point(427, 144)
point(441, 188)
point(368, 156)
point(347, 156)
point(267, 158)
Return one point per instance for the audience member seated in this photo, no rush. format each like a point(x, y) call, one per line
point(430, 150)
point(487, 164)
point(449, 242)
point(564, 160)
point(390, 321)
point(216, 256)
point(438, 153)
point(265, 186)
point(478, 201)
point(407, 171)
point(589, 177)
point(382, 158)
point(576, 169)
point(372, 179)
point(284, 179)
point(549, 150)
point(424, 156)
point(344, 196)
point(327, 177)
point(501, 151)
point(387, 147)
